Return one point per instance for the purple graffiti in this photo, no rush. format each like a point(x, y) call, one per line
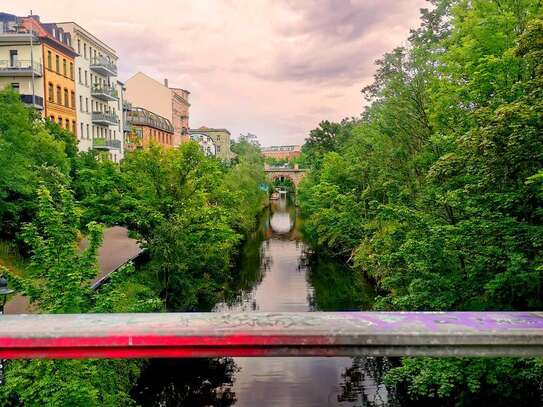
point(442, 320)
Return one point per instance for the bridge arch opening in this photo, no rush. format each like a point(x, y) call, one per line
point(284, 181)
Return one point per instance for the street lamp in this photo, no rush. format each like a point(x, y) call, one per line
point(4, 292)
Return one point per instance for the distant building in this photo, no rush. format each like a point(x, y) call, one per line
point(206, 143)
point(250, 138)
point(170, 103)
point(219, 137)
point(99, 112)
point(147, 127)
point(281, 152)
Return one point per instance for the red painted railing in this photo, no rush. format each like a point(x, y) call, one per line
point(271, 334)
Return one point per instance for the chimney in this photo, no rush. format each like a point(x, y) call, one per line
point(166, 82)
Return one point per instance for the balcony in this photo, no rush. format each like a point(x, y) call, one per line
point(104, 119)
point(141, 117)
point(103, 66)
point(20, 68)
point(127, 106)
point(106, 144)
point(104, 92)
point(36, 104)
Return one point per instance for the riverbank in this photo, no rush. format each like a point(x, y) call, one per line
point(274, 274)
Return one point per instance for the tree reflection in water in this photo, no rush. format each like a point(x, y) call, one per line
point(187, 382)
point(362, 383)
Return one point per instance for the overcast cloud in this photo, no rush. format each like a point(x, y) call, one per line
point(275, 68)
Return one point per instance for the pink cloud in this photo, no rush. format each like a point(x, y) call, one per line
point(274, 68)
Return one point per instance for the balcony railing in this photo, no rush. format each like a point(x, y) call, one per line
point(141, 120)
point(37, 103)
point(103, 66)
point(180, 335)
point(104, 92)
point(20, 68)
point(106, 144)
point(105, 119)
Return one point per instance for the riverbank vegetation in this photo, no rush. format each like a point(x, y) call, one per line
point(191, 212)
point(435, 193)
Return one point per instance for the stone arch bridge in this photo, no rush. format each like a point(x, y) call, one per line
point(293, 174)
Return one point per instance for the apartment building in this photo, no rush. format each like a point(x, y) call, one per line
point(147, 127)
point(281, 152)
point(206, 143)
point(21, 61)
point(58, 57)
point(219, 137)
point(99, 102)
point(170, 103)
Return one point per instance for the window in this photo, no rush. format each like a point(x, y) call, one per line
point(13, 57)
point(15, 86)
point(73, 127)
point(60, 121)
point(87, 105)
point(52, 118)
point(64, 67)
point(93, 131)
point(51, 92)
point(85, 50)
point(79, 46)
point(49, 61)
point(67, 124)
point(57, 63)
point(72, 94)
point(88, 136)
point(81, 103)
point(66, 100)
point(59, 95)
point(81, 134)
point(86, 81)
point(71, 71)
point(79, 72)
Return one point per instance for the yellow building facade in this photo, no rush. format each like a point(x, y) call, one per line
point(58, 73)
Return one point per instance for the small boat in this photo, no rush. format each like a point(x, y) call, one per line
point(274, 196)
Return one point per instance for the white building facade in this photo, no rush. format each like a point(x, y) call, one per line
point(21, 61)
point(207, 144)
point(99, 99)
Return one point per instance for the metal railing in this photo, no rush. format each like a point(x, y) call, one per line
point(141, 120)
point(104, 91)
point(37, 102)
point(108, 118)
point(104, 143)
point(272, 334)
point(20, 67)
point(103, 66)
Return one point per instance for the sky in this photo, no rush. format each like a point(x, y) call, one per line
point(275, 68)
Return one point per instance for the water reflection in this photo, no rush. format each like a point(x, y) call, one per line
point(275, 274)
point(284, 286)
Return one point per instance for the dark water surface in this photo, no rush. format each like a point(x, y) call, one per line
point(275, 274)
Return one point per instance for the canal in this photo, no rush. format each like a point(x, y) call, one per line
point(275, 273)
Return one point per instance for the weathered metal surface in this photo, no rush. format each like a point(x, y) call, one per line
point(271, 334)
